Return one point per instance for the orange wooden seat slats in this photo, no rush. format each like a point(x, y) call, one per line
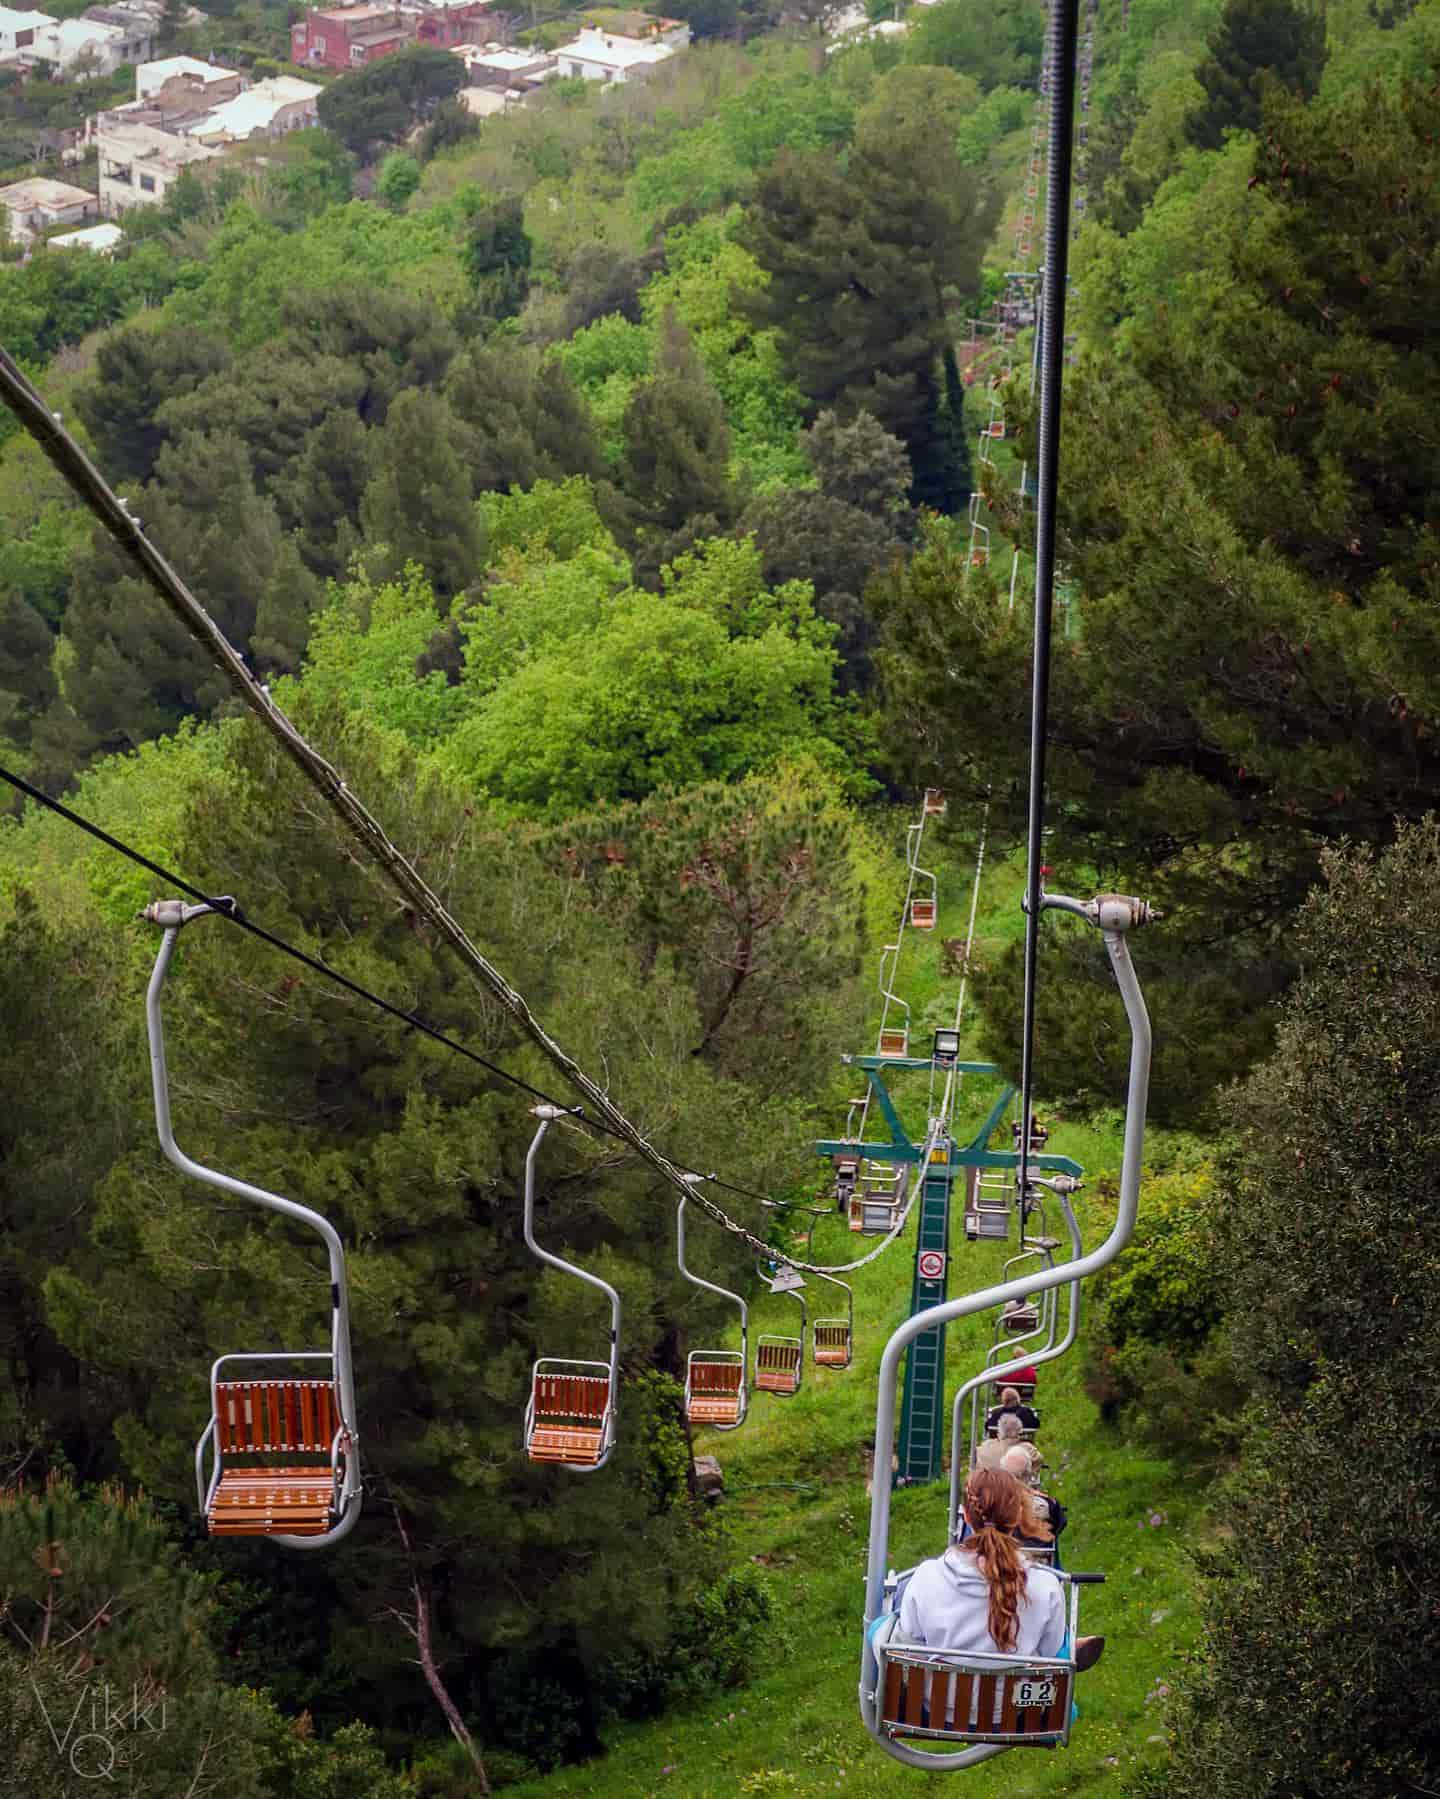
point(274, 1417)
point(565, 1405)
point(715, 1392)
point(777, 1367)
point(962, 1703)
point(892, 1043)
point(268, 1417)
point(295, 1502)
point(832, 1345)
point(922, 914)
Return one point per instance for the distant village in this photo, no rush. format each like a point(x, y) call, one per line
point(187, 112)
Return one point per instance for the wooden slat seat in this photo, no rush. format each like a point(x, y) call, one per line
point(554, 1443)
point(296, 1502)
point(922, 914)
point(777, 1367)
point(714, 1392)
point(832, 1345)
point(893, 1043)
point(568, 1412)
point(938, 1698)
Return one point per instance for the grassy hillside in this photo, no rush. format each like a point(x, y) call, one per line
point(796, 1499)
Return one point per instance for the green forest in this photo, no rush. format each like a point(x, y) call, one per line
point(631, 495)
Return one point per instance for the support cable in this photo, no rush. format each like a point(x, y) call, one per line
point(225, 907)
point(1062, 38)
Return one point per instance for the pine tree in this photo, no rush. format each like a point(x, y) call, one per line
point(860, 264)
point(27, 680)
point(497, 258)
point(1255, 41)
point(418, 504)
point(319, 495)
point(858, 462)
point(522, 420)
point(136, 371)
point(677, 443)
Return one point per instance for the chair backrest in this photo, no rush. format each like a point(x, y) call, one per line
point(716, 1377)
point(940, 1696)
point(772, 1354)
point(579, 1396)
point(275, 1417)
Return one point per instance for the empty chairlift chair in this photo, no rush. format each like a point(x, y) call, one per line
point(281, 1444)
point(832, 1339)
point(881, 1196)
point(715, 1392)
point(570, 1419)
point(988, 1206)
point(780, 1360)
point(925, 907)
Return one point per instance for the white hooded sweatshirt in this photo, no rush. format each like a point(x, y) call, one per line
point(947, 1602)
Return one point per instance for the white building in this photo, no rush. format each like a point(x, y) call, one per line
point(497, 65)
point(99, 240)
point(34, 206)
point(17, 30)
point(77, 48)
point(268, 109)
point(139, 165)
point(153, 78)
point(601, 56)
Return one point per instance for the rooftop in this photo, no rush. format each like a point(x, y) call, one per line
point(40, 190)
point(254, 110)
point(356, 15)
point(89, 237)
point(10, 20)
point(143, 143)
point(150, 75)
point(497, 56)
point(614, 52)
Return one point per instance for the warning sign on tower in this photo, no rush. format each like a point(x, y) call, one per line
point(930, 1265)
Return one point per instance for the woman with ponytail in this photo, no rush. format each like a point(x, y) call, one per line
point(982, 1596)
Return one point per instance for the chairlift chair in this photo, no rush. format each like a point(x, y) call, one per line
point(780, 1360)
point(925, 909)
point(283, 1445)
point(570, 1417)
point(934, 804)
point(715, 1392)
point(944, 1697)
point(881, 1195)
point(832, 1339)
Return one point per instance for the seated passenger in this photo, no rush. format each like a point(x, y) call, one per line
point(1010, 1406)
point(1045, 1517)
point(981, 1596)
point(992, 1451)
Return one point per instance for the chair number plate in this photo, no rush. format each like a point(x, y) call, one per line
point(1034, 1692)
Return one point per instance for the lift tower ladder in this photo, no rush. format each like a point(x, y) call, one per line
point(922, 1414)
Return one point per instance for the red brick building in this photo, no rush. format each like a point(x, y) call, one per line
point(349, 37)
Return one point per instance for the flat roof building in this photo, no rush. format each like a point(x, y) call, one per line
point(601, 56)
point(34, 206)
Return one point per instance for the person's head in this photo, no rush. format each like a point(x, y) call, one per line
point(994, 1505)
point(1009, 1396)
point(1008, 1428)
point(1019, 1462)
